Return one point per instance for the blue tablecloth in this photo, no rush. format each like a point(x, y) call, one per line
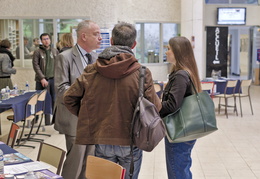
point(8, 150)
point(18, 104)
point(159, 93)
point(221, 84)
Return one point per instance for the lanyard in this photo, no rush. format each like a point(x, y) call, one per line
point(82, 54)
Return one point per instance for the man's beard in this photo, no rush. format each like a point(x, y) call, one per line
point(46, 46)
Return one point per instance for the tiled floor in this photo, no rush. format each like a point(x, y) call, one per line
point(231, 152)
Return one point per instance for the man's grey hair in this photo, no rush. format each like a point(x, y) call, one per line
point(124, 34)
point(83, 25)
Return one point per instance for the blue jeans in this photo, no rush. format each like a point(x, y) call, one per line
point(178, 159)
point(121, 155)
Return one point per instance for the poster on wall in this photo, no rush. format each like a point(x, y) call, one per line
point(217, 51)
point(258, 56)
point(105, 42)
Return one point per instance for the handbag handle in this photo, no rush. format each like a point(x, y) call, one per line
point(192, 84)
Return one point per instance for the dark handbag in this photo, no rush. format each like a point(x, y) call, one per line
point(195, 118)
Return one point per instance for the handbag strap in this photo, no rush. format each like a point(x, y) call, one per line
point(171, 83)
point(192, 84)
point(141, 94)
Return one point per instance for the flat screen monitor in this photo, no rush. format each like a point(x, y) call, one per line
point(231, 16)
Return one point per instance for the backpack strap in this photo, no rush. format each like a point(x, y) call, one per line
point(142, 80)
point(141, 94)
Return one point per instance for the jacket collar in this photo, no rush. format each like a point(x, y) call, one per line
point(77, 59)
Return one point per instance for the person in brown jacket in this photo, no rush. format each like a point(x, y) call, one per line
point(104, 98)
point(43, 65)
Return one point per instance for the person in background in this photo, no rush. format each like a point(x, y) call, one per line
point(180, 55)
point(104, 97)
point(66, 42)
point(6, 64)
point(69, 66)
point(58, 46)
point(27, 54)
point(36, 44)
point(43, 65)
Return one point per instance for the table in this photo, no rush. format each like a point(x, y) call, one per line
point(162, 86)
point(221, 84)
point(18, 104)
point(26, 162)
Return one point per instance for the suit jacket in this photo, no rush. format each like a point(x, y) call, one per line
point(68, 67)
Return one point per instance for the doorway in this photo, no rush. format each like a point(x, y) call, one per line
point(238, 52)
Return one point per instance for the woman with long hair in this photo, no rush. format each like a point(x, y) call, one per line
point(180, 55)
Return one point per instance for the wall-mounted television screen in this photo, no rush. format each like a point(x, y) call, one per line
point(231, 16)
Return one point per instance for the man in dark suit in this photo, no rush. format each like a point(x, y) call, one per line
point(69, 66)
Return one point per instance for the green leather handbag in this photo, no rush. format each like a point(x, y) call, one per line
point(195, 118)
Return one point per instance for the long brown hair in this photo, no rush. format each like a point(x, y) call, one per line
point(185, 59)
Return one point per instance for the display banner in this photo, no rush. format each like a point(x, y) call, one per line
point(217, 49)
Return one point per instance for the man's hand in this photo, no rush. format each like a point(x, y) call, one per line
point(44, 82)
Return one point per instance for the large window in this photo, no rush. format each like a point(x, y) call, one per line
point(22, 32)
point(231, 1)
point(152, 40)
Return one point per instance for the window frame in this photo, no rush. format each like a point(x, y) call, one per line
point(161, 42)
point(54, 21)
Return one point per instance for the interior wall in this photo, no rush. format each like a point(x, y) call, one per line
point(192, 13)
point(104, 13)
point(244, 61)
point(22, 75)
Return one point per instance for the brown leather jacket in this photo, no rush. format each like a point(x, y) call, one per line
point(39, 62)
point(104, 98)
